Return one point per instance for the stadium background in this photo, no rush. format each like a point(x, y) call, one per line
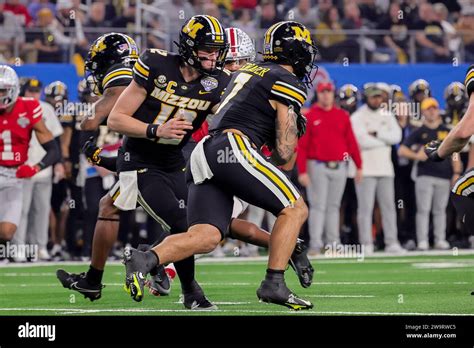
point(447, 279)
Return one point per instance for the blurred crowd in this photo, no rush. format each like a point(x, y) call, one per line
point(345, 30)
point(360, 165)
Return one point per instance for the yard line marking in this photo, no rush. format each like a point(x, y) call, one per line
point(221, 303)
point(256, 311)
point(224, 284)
point(21, 274)
point(389, 283)
point(377, 258)
point(342, 296)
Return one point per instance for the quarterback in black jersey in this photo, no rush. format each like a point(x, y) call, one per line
point(109, 70)
point(261, 105)
point(169, 97)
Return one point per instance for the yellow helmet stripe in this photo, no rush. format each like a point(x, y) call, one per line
point(218, 28)
point(213, 29)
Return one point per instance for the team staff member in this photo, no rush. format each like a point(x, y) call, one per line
point(433, 180)
point(323, 155)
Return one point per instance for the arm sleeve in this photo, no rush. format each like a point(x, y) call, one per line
point(141, 71)
point(392, 134)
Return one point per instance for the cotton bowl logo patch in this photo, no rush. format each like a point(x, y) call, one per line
point(23, 122)
point(209, 83)
point(160, 81)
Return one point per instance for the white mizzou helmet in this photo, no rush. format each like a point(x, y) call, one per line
point(9, 87)
point(240, 45)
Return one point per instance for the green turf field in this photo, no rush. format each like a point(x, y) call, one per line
point(414, 285)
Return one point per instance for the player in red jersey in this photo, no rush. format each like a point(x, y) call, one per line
point(19, 117)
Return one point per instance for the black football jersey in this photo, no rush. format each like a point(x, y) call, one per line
point(168, 95)
point(452, 117)
point(245, 105)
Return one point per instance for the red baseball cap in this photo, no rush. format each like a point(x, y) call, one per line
point(325, 86)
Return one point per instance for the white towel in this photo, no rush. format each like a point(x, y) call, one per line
point(198, 163)
point(127, 199)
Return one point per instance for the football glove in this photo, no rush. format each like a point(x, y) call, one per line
point(431, 150)
point(469, 80)
point(25, 171)
point(92, 151)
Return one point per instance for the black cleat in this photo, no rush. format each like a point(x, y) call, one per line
point(79, 283)
point(278, 293)
point(300, 263)
point(196, 301)
point(135, 272)
point(160, 284)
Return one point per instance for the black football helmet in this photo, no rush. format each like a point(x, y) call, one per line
point(290, 43)
point(199, 32)
point(455, 96)
point(396, 94)
point(56, 91)
point(107, 50)
point(84, 91)
point(419, 89)
point(348, 97)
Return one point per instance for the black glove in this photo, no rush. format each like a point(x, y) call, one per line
point(469, 80)
point(92, 151)
point(431, 150)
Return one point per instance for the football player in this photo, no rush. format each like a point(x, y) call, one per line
point(462, 194)
point(261, 106)
point(19, 117)
point(348, 98)
point(455, 97)
point(109, 70)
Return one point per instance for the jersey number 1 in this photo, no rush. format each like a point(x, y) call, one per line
point(7, 153)
point(239, 83)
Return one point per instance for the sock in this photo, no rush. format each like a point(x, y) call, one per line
point(152, 260)
point(185, 271)
point(275, 275)
point(94, 276)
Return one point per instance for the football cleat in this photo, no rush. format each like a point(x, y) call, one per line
point(79, 283)
point(160, 284)
point(135, 272)
point(278, 293)
point(300, 263)
point(196, 301)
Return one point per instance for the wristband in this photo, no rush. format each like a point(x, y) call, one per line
point(151, 131)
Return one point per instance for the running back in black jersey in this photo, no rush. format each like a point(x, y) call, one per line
point(168, 95)
point(245, 105)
